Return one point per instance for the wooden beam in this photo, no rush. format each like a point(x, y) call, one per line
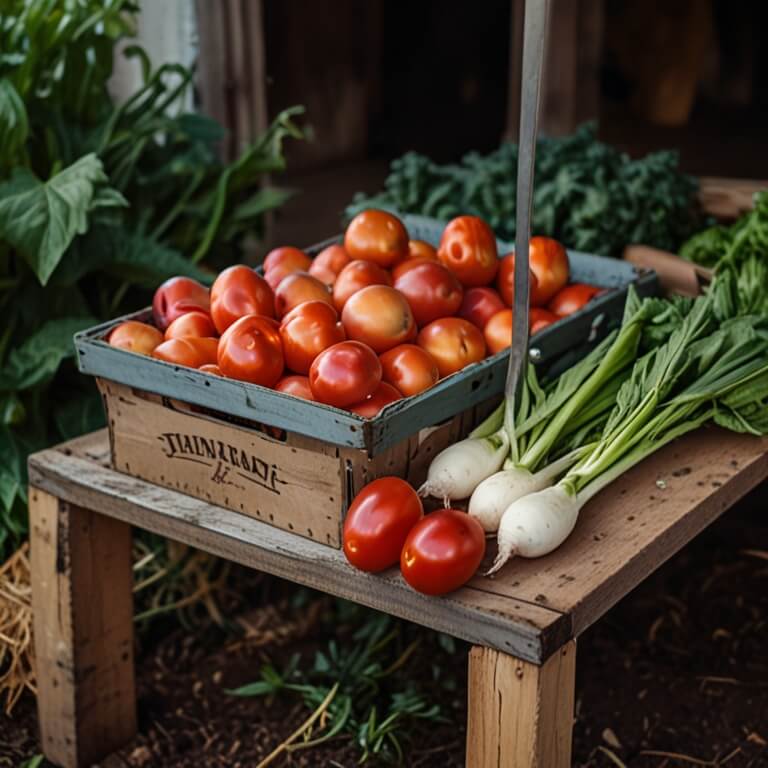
point(83, 628)
point(520, 715)
point(728, 198)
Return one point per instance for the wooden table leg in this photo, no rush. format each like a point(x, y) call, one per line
point(83, 628)
point(520, 714)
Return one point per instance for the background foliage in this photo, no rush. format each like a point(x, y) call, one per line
point(99, 202)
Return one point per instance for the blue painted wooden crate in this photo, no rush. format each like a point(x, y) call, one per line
point(556, 347)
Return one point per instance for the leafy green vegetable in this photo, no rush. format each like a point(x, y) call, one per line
point(587, 194)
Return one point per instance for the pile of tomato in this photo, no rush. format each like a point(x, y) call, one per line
point(363, 324)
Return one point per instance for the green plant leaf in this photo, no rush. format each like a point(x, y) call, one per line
point(10, 475)
point(40, 356)
point(14, 126)
point(41, 219)
point(80, 413)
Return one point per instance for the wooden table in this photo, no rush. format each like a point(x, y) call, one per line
point(523, 624)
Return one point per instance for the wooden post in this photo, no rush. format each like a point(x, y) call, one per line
point(83, 629)
point(520, 714)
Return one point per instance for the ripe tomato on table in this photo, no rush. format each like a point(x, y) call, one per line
point(376, 236)
point(479, 305)
point(548, 260)
point(238, 291)
point(498, 331)
point(306, 331)
point(572, 298)
point(421, 249)
point(468, 249)
point(505, 280)
point(539, 318)
point(378, 522)
point(379, 316)
point(383, 396)
point(211, 368)
point(328, 263)
point(298, 386)
point(175, 297)
point(251, 350)
point(355, 276)
point(452, 343)
point(297, 288)
point(431, 290)
point(191, 351)
point(344, 374)
point(196, 323)
point(442, 552)
point(134, 336)
point(283, 261)
point(409, 368)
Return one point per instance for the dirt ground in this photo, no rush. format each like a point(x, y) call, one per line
point(675, 675)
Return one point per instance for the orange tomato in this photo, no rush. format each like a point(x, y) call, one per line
point(539, 319)
point(328, 263)
point(572, 298)
point(134, 336)
point(420, 249)
point(453, 343)
point(177, 296)
point(549, 262)
point(211, 368)
point(239, 291)
point(282, 261)
point(344, 374)
point(505, 281)
point(468, 249)
point(356, 275)
point(409, 368)
point(376, 236)
point(431, 290)
point(406, 266)
point(498, 331)
point(479, 305)
point(370, 407)
point(191, 351)
point(251, 350)
point(195, 323)
point(306, 331)
point(297, 288)
point(298, 386)
point(379, 316)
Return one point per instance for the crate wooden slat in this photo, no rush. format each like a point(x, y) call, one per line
point(529, 610)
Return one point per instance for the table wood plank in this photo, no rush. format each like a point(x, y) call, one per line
point(523, 629)
point(636, 524)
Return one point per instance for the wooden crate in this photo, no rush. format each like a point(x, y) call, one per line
point(297, 483)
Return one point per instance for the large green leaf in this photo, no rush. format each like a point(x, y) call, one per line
point(40, 356)
point(10, 476)
point(41, 219)
point(14, 126)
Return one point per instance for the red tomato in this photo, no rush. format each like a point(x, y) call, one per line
point(298, 386)
point(379, 316)
point(191, 351)
point(498, 331)
point(549, 262)
point(505, 281)
point(250, 350)
point(420, 249)
point(479, 305)
point(378, 522)
point(572, 298)
point(286, 258)
point(345, 373)
point(453, 343)
point(431, 290)
point(442, 551)
point(409, 368)
point(306, 331)
point(177, 296)
point(405, 266)
point(238, 291)
point(468, 249)
point(297, 288)
point(211, 368)
point(328, 263)
point(376, 236)
point(134, 336)
point(357, 275)
point(539, 319)
point(191, 324)
point(370, 407)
